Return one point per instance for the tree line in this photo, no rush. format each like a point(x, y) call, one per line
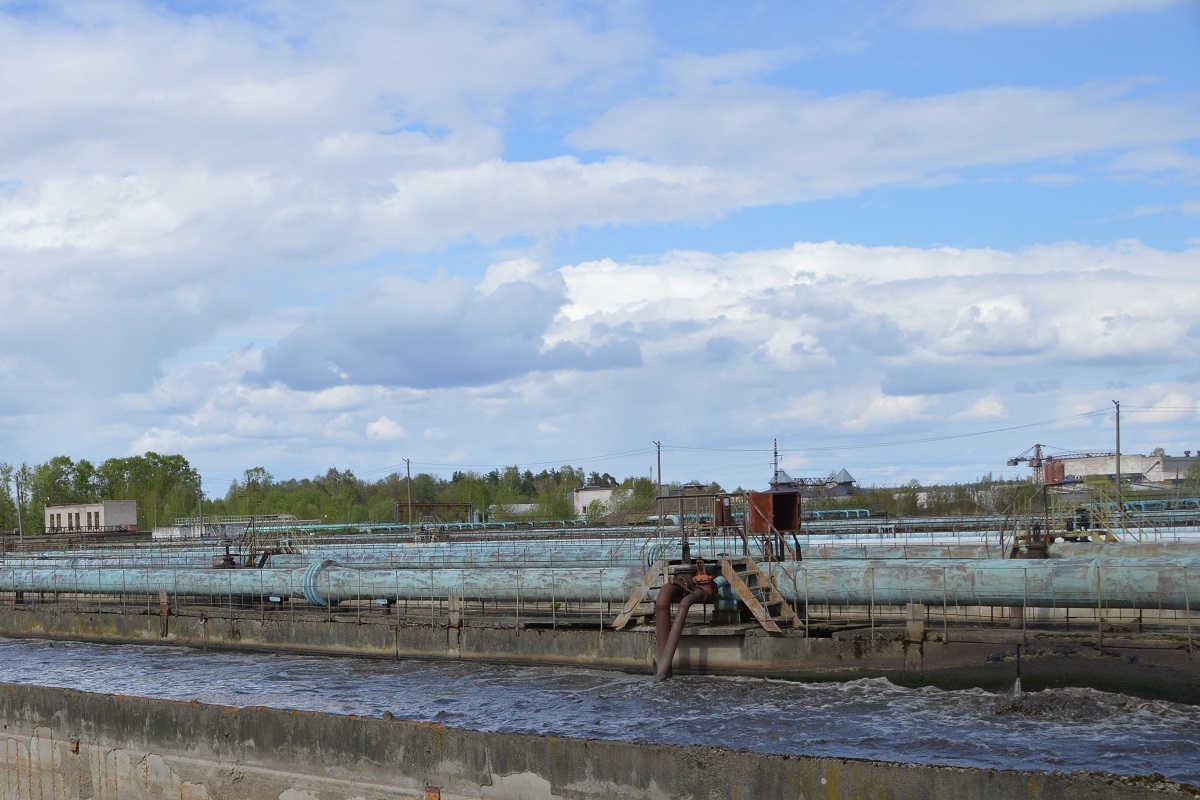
point(167, 487)
point(162, 486)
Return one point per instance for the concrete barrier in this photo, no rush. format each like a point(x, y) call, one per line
point(67, 745)
point(1145, 666)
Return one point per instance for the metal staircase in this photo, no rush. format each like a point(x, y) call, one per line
point(758, 593)
point(641, 603)
point(753, 588)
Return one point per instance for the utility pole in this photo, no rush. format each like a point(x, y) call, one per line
point(20, 510)
point(1120, 500)
point(408, 474)
point(200, 504)
point(658, 447)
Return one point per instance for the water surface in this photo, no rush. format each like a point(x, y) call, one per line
point(1056, 729)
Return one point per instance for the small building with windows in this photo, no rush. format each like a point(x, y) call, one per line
point(586, 495)
point(110, 515)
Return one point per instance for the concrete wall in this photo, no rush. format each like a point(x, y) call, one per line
point(120, 512)
point(1167, 469)
point(65, 745)
point(1145, 666)
point(581, 498)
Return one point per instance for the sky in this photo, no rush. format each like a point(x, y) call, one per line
point(910, 239)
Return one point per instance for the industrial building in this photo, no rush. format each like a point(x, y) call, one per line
point(108, 515)
point(1135, 468)
point(1156, 468)
point(586, 495)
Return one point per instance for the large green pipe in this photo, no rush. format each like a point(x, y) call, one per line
point(1167, 583)
point(1059, 583)
point(325, 582)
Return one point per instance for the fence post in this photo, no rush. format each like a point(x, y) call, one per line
point(1187, 605)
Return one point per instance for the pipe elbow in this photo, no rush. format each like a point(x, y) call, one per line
point(308, 582)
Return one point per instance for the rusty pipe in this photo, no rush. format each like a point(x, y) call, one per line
point(662, 617)
point(703, 591)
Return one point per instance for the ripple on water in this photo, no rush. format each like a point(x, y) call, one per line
point(1058, 729)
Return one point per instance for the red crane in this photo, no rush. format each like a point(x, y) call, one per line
point(1041, 462)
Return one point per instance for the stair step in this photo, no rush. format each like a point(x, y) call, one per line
point(758, 593)
point(651, 582)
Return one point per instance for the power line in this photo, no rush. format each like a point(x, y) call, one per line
point(745, 469)
point(896, 443)
point(527, 465)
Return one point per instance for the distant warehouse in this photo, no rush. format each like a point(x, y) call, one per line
point(111, 515)
point(1135, 468)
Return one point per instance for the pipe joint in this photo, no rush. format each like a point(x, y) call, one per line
point(309, 582)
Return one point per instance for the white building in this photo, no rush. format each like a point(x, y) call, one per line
point(1134, 467)
point(109, 515)
point(585, 496)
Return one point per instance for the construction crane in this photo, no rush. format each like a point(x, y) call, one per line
point(1034, 456)
point(1038, 460)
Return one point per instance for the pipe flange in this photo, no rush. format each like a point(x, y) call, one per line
point(309, 582)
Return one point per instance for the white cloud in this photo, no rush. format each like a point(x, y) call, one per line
point(122, 124)
point(1158, 160)
point(798, 343)
point(778, 144)
point(514, 271)
point(988, 325)
point(887, 411)
point(984, 409)
point(442, 333)
point(385, 429)
point(254, 235)
point(974, 14)
point(345, 146)
point(1055, 179)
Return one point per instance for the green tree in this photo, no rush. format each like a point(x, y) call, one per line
point(1192, 479)
point(8, 503)
point(52, 482)
point(426, 488)
point(165, 487)
point(21, 480)
point(634, 495)
point(85, 483)
point(473, 488)
point(508, 487)
point(595, 511)
point(554, 505)
point(605, 481)
point(256, 483)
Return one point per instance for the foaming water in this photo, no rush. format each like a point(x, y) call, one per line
point(1058, 729)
